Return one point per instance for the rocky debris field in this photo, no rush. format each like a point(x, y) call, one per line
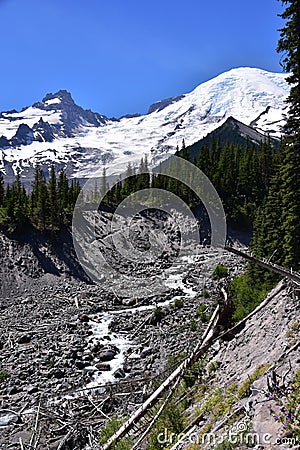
point(73, 353)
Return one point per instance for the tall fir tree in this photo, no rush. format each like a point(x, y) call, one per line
point(19, 200)
point(2, 189)
point(290, 219)
point(281, 214)
point(53, 204)
point(104, 184)
point(289, 45)
point(143, 179)
point(63, 197)
point(39, 199)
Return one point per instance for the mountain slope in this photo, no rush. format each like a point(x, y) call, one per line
point(58, 131)
point(232, 131)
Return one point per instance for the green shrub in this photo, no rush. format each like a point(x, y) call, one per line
point(193, 325)
point(201, 309)
point(178, 303)
point(3, 375)
point(220, 271)
point(194, 373)
point(212, 367)
point(205, 317)
point(205, 293)
point(219, 401)
point(246, 295)
point(52, 361)
point(157, 316)
point(293, 330)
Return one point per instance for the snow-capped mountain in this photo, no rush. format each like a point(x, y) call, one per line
point(58, 131)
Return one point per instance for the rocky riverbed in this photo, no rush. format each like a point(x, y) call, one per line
point(71, 351)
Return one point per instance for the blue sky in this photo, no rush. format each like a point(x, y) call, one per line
point(118, 57)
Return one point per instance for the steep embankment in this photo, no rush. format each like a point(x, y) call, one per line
point(31, 258)
point(243, 397)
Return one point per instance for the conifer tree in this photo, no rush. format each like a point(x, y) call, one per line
point(96, 193)
point(19, 201)
point(289, 44)
point(8, 202)
point(280, 223)
point(2, 189)
point(184, 152)
point(129, 185)
point(63, 196)
point(290, 220)
point(39, 199)
point(104, 184)
point(53, 204)
point(204, 162)
point(143, 180)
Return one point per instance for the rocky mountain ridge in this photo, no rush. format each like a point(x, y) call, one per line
point(57, 131)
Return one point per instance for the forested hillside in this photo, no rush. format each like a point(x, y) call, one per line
point(240, 173)
point(46, 206)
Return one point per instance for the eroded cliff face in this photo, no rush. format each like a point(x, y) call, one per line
point(32, 259)
point(247, 397)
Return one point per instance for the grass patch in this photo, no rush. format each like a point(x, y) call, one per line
point(220, 401)
point(244, 390)
point(172, 420)
point(112, 426)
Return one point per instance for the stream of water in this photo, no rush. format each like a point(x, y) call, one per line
point(102, 333)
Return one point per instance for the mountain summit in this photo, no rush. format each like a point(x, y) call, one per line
point(60, 96)
point(58, 131)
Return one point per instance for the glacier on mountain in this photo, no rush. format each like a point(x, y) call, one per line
point(82, 142)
